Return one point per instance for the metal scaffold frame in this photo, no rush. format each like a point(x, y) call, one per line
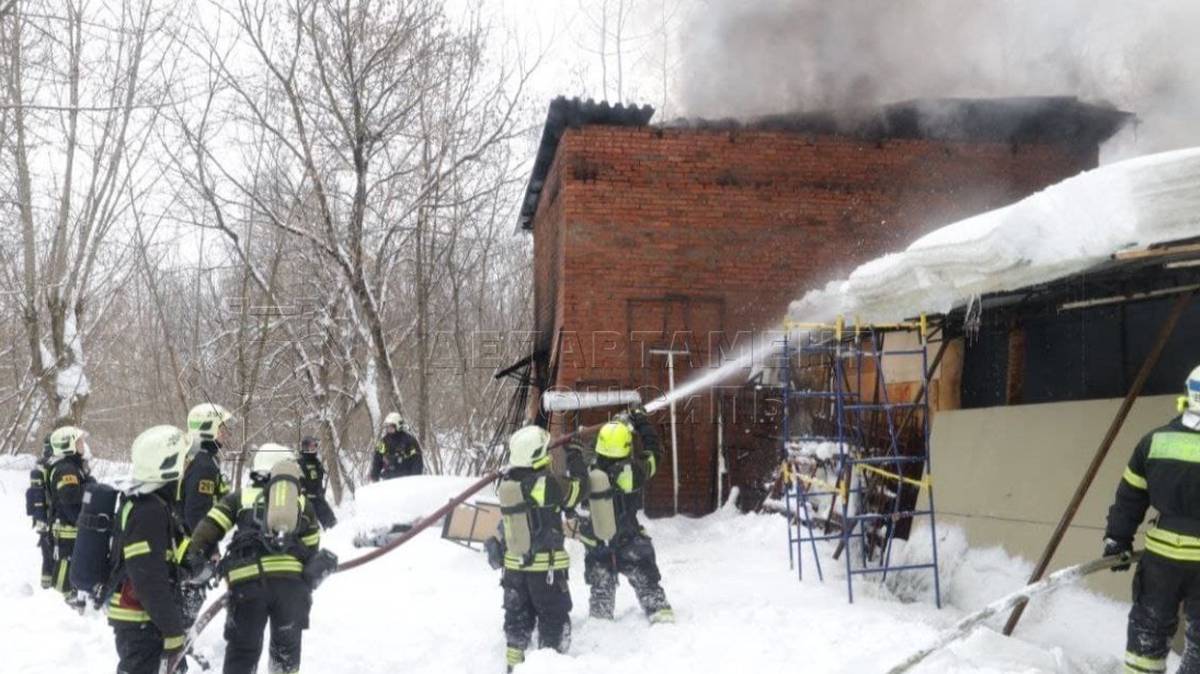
point(871, 474)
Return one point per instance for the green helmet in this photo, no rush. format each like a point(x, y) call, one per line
point(206, 419)
point(64, 441)
point(529, 447)
point(615, 440)
point(158, 454)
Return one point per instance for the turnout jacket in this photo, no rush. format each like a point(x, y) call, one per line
point(149, 544)
point(1163, 472)
point(250, 555)
point(202, 484)
point(628, 478)
point(312, 476)
point(544, 498)
point(395, 454)
point(64, 489)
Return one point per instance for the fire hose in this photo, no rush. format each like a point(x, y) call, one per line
point(214, 609)
point(967, 625)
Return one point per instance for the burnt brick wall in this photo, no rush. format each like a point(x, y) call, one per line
point(674, 234)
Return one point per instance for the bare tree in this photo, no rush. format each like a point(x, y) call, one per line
point(76, 173)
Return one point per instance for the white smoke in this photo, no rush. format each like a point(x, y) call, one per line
point(749, 57)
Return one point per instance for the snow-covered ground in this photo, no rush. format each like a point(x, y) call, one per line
point(432, 606)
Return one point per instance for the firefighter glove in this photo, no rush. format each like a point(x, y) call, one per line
point(1115, 547)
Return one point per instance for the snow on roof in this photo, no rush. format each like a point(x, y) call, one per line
point(1065, 229)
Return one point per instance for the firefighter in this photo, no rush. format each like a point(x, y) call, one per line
point(312, 481)
point(203, 484)
point(145, 610)
point(532, 500)
point(270, 573)
point(398, 453)
point(1165, 473)
point(65, 481)
point(38, 508)
point(630, 552)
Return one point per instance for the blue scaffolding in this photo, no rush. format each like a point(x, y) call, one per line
point(863, 486)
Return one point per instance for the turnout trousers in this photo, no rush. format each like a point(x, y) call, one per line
point(324, 512)
point(535, 599)
point(62, 571)
point(633, 557)
point(139, 648)
point(1160, 586)
point(46, 545)
point(284, 602)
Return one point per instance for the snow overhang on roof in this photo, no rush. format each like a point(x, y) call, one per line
point(570, 113)
point(1063, 120)
point(1129, 276)
point(1114, 233)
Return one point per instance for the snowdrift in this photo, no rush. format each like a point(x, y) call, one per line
point(435, 607)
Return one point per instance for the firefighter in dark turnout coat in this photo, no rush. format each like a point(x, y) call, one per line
point(630, 552)
point(266, 577)
point(1164, 472)
point(312, 481)
point(65, 481)
point(203, 484)
point(145, 610)
point(535, 561)
point(398, 453)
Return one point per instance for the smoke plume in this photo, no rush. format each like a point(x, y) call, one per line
point(744, 58)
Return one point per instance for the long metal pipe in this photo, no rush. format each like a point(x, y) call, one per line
point(1152, 358)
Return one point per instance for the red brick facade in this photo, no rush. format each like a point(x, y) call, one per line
point(648, 238)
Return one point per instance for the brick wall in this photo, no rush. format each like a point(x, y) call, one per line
point(649, 238)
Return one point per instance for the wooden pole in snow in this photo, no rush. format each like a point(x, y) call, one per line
point(1164, 334)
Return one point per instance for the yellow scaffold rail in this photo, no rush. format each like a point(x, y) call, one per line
point(789, 475)
point(839, 327)
point(926, 481)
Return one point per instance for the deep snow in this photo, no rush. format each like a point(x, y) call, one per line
point(432, 606)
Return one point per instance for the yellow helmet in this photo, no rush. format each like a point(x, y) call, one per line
point(615, 440)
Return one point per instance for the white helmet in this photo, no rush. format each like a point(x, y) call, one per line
point(205, 419)
point(1193, 391)
point(529, 447)
point(64, 441)
point(267, 456)
point(393, 419)
point(158, 454)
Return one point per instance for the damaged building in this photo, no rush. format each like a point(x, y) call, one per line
point(659, 249)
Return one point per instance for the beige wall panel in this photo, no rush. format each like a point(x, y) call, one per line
point(1005, 474)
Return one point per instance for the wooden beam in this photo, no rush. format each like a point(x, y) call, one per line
point(1145, 253)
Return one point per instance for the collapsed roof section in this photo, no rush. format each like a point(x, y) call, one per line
point(1046, 119)
point(1031, 119)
